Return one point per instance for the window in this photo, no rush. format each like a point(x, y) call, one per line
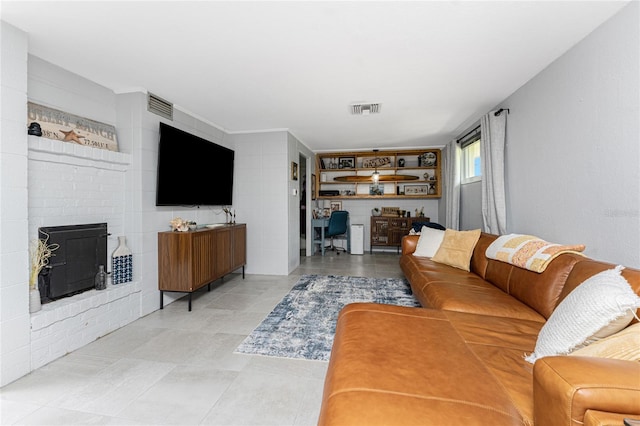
point(470, 162)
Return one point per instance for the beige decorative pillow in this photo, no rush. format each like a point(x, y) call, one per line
point(457, 248)
point(624, 344)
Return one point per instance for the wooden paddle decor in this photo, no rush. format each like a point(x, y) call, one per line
point(383, 178)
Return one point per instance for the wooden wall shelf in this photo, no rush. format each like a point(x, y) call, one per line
point(403, 174)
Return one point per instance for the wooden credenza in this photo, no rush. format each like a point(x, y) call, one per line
point(187, 261)
point(388, 231)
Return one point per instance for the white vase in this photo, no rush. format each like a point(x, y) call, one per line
point(121, 263)
point(34, 300)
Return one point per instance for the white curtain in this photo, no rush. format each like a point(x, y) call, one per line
point(494, 215)
point(452, 184)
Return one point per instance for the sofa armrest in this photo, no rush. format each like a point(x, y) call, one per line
point(599, 418)
point(409, 243)
point(565, 387)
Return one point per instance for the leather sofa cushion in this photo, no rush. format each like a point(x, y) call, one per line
point(500, 344)
point(440, 286)
point(453, 296)
point(398, 365)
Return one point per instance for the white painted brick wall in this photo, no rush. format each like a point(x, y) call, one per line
point(71, 185)
point(70, 323)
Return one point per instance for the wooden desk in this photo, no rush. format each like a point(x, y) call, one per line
point(322, 223)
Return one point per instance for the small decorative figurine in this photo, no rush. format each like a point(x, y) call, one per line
point(34, 129)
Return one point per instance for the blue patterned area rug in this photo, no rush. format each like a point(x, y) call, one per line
point(303, 324)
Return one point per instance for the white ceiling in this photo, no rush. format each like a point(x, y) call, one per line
point(435, 66)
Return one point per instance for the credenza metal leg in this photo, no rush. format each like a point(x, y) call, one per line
point(161, 299)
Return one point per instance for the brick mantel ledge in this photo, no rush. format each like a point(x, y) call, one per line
point(54, 151)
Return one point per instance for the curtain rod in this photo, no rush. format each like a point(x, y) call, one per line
point(475, 129)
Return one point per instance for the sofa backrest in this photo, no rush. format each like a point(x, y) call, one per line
point(478, 260)
point(540, 291)
point(588, 267)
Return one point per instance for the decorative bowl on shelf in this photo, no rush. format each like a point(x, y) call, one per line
point(428, 159)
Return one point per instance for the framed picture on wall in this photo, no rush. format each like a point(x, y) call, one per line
point(346, 162)
point(416, 189)
point(336, 205)
point(376, 189)
point(294, 170)
point(313, 187)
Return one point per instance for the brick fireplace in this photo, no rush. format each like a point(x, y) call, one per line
point(72, 184)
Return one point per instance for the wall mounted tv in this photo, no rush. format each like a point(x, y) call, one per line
point(192, 171)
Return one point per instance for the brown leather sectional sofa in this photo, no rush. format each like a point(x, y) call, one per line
point(459, 360)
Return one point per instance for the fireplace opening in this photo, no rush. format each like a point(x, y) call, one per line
point(72, 269)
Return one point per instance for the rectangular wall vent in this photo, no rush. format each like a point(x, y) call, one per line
point(365, 109)
point(159, 106)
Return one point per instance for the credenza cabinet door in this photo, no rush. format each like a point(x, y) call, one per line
point(224, 251)
point(239, 246)
point(204, 251)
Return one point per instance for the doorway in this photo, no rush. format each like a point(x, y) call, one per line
point(302, 190)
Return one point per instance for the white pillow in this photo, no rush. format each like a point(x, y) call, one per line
point(603, 302)
point(429, 242)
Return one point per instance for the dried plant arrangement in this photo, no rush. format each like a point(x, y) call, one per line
point(40, 251)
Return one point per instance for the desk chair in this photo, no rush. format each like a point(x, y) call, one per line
point(337, 226)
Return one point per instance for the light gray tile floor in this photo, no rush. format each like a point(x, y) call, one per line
point(178, 367)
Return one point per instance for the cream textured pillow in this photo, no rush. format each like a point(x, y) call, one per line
point(587, 314)
point(429, 242)
point(624, 344)
point(457, 248)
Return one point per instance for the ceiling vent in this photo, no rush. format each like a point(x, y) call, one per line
point(159, 106)
point(365, 109)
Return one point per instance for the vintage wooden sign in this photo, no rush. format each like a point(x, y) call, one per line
point(62, 126)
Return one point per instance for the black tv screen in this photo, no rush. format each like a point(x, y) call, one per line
point(192, 171)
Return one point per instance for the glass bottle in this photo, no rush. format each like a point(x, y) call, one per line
point(101, 278)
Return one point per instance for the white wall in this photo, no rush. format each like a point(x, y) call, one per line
point(471, 206)
point(573, 150)
point(261, 197)
point(264, 198)
point(14, 257)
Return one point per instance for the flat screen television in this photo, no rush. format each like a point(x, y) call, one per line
point(192, 171)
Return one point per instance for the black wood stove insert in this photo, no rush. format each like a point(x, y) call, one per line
point(72, 269)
